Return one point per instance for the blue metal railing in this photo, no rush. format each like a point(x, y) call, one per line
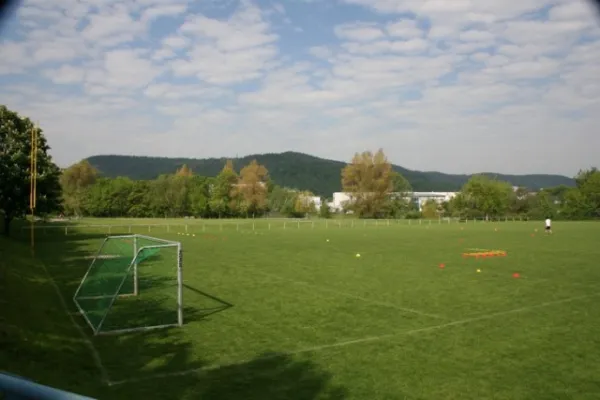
point(13, 387)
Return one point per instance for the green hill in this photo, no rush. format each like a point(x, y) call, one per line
point(300, 171)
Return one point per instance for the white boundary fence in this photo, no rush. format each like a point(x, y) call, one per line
point(211, 225)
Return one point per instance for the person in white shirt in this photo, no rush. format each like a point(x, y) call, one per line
point(548, 225)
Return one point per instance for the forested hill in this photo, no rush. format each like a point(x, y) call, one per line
point(300, 171)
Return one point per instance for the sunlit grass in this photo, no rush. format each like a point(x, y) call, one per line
point(388, 324)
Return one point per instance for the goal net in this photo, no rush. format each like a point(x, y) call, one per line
point(134, 283)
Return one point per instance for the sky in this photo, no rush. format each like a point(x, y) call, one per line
point(459, 86)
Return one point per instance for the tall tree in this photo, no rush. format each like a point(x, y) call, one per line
point(251, 188)
point(221, 201)
point(74, 181)
point(324, 211)
point(431, 209)
point(584, 200)
point(370, 181)
point(487, 197)
point(184, 171)
point(15, 169)
point(541, 205)
point(304, 203)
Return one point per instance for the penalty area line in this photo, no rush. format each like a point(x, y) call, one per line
point(355, 341)
point(84, 339)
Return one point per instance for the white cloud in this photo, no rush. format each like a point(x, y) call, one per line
point(158, 73)
point(476, 36)
point(112, 26)
point(228, 52)
point(405, 28)
point(66, 74)
point(126, 69)
point(320, 52)
point(156, 12)
point(358, 32)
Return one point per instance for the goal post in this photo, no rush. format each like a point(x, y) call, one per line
point(133, 283)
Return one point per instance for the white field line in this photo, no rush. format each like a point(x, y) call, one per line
point(359, 341)
point(103, 374)
point(333, 291)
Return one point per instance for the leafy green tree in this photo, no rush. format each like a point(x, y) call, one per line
point(15, 169)
point(222, 201)
point(251, 189)
point(430, 209)
point(139, 200)
point(588, 183)
point(74, 181)
point(371, 182)
point(304, 204)
point(487, 197)
point(324, 211)
point(109, 197)
point(458, 206)
point(574, 205)
point(521, 202)
point(199, 196)
point(541, 206)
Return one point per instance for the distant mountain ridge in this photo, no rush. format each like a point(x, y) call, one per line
point(301, 171)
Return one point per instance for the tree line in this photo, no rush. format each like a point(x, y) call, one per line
point(249, 193)
point(374, 188)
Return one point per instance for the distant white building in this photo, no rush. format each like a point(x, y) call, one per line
point(340, 199)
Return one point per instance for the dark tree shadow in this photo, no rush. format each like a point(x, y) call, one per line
point(45, 347)
point(272, 376)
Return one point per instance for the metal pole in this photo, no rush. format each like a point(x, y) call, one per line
point(135, 267)
point(180, 285)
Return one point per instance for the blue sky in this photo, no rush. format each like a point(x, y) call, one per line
point(458, 86)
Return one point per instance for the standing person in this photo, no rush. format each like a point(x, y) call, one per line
point(548, 225)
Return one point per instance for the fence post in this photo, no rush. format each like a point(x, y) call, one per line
point(252, 223)
point(326, 224)
point(109, 229)
point(149, 228)
point(66, 230)
point(186, 228)
point(269, 226)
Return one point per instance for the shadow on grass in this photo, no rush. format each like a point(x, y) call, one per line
point(272, 376)
point(45, 346)
point(222, 305)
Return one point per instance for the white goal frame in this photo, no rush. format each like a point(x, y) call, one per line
point(161, 243)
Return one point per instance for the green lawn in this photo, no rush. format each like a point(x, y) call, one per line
point(274, 313)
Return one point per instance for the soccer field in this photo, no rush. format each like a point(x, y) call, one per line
point(274, 312)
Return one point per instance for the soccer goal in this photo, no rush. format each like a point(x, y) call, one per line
point(133, 283)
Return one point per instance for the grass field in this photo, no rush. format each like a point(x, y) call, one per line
point(274, 313)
